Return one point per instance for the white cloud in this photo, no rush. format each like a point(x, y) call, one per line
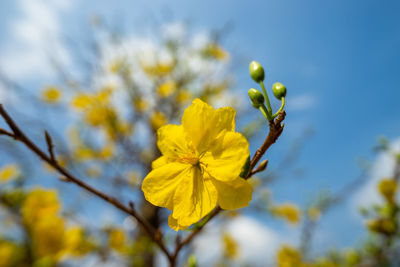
point(382, 167)
point(257, 242)
point(32, 36)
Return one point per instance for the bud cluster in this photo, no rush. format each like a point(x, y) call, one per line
point(257, 73)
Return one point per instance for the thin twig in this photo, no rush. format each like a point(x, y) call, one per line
point(21, 137)
point(4, 132)
point(50, 146)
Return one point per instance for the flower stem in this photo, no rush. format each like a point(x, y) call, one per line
point(265, 112)
point(280, 109)
point(267, 100)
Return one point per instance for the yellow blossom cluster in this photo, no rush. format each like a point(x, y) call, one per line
point(51, 237)
point(288, 211)
point(51, 94)
point(230, 246)
point(388, 188)
point(99, 112)
point(289, 257)
point(9, 172)
point(118, 240)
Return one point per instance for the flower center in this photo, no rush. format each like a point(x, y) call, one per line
point(191, 160)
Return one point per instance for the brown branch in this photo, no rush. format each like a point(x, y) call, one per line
point(50, 159)
point(4, 132)
point(50, 146)
point(275, 130)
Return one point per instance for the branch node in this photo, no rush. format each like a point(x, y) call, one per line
point(132, 205)
point(50, 146)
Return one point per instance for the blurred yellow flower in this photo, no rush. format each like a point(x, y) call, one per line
point(183, 96)
point(99, 115)
point(157, 120)
point(158, 69)
point(81, 101)
point(75, 242)
point(230, 246)
point(8, 253)
point(289, 257)
point(39, 203)
point(134, 178)
point(9, 172)
point(47, 236)
point(51, 94)
point(387, 188)
point(140, 105)
point(84, 153)
point(287, 211)
point(107, 152)
point(386, 226)
point(117, 240)
point(166, 89)
point(93, 171)
point(117, 66)
point(314, 213)
point(216, 51)
point(199, 167)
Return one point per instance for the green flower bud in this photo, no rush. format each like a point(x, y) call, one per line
point(256, 71)
point(279, 90)
point(256, 97)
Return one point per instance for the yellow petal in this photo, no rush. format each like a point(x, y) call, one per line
point(194, 198)
point(233, 195)
point(171, 141)
point(173, 223)
point(225, 160)
point(227, 118)
point(160, 184)
point(161, 161)
point(202, 123)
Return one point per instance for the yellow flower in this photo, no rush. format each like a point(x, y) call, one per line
point(183, 96)
point(38, 204)
point(230, 246)
point(117, 240)
point(75, 242)
point(8, 254)
point(48, 236)
point(289, 257)
point(158, 69)
point(157, 120)
point(140, 104)
point(166, 89)
point(82, 101)
point(9, 172)
point(199, 167)
point(215, 51)
point(288, 211)
point(388, 188)
point(107, 152)
point(51, 94)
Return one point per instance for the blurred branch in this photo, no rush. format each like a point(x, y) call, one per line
point(327, 203)
point(20, 136)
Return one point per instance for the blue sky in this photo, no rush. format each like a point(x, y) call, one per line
point(340, 61)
